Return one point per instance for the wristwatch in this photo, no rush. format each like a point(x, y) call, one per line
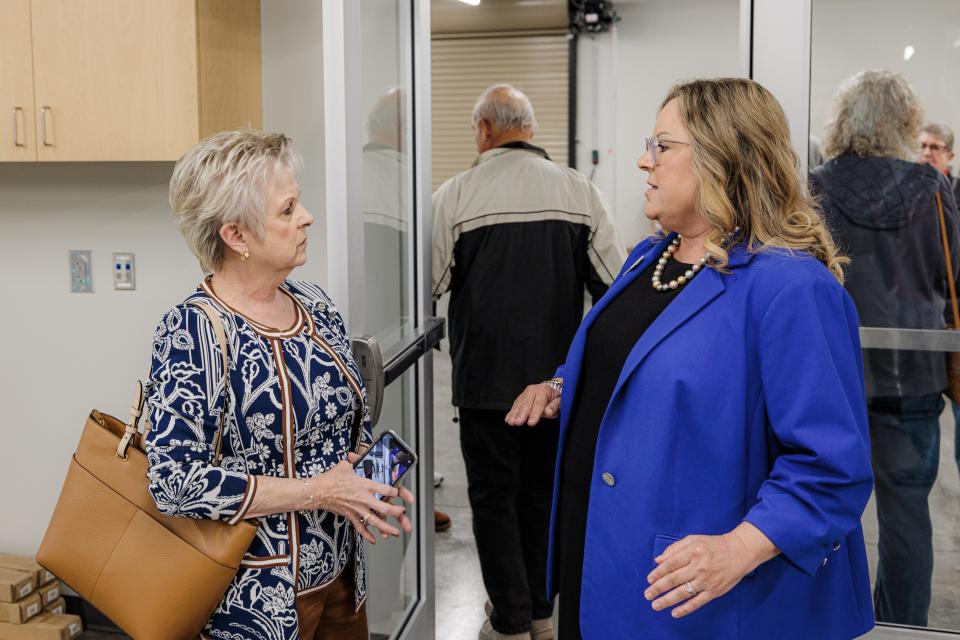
point(555, 383)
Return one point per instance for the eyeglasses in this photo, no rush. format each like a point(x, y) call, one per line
point(655, 146)
point(936, 148)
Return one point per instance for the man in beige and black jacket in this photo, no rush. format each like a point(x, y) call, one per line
point(517, 239)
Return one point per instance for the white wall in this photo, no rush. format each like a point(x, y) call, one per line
point(852, 35)
point(660, 42)
point(292, 59)
point(63, 354)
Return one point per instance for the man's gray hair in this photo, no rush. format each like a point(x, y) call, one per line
point(875, 113)
point(940, 132)
point(506, 108)
point(222, 180)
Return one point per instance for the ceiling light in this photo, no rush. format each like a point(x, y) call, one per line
point(472, 3)
point(908, 52)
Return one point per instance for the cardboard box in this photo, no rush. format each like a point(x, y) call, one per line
point(20, 612)
point(23, 563)
point(15, 585)
point(57, 607)
point(45, 626)
point(49, 592)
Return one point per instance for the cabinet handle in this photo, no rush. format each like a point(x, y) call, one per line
point(43, 126)
point(17, 111)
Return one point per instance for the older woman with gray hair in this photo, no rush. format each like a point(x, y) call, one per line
point(295, 412)
point(882, 208)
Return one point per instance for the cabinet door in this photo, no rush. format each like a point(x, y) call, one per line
point(115, 79)
point(17, 139)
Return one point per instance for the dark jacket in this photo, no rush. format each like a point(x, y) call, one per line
point(516, 240)
point(883, 215)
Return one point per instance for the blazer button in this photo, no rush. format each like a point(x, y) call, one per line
point(836, 547)
point(609, 479)
point(824, 563)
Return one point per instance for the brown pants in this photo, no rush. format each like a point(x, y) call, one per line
point(330, 613)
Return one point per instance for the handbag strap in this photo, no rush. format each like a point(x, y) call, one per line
point(139, 396)
point(221, 336)
point(951, 284)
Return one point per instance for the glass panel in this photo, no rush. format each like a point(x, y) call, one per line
point(865, 150)
point(386, 86)
point(392, 574)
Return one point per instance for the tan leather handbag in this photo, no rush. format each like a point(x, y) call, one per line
point(156, 577)
point(953, 358)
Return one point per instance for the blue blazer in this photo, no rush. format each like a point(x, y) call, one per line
point(744, 400)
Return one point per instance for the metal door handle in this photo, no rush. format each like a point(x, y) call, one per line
point(366, 351)
point(43, 126)
point(17, 112)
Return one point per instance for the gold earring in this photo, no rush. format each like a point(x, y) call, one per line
point(244, 256)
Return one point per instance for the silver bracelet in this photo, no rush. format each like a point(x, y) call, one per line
point(556, 384)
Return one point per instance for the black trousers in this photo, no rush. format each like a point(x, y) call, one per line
point(510, 484)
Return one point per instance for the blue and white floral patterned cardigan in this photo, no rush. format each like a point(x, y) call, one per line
point(293, 398)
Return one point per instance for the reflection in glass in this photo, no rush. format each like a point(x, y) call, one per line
point(386, 84)
point(881, 206)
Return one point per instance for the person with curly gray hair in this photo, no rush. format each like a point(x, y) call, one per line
point(294, 411)
point(881, 206)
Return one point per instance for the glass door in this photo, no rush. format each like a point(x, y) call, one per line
point(805, 51)
point(378, 211)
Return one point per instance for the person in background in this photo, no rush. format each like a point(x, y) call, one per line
point(881, 206)
point(295, 403)
point(516, 240)
point(714, 460)
point(936, 149)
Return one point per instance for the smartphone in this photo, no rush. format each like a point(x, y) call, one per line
point(386, 461)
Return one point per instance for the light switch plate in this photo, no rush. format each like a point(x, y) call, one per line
point(81, 271)
point(124, 272)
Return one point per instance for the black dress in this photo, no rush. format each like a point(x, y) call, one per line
point(610, 340)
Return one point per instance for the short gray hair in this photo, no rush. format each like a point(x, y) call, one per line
point(875, 113)
point(221, 180)
point(940, 132)
point(386, 115)
point(505, 107)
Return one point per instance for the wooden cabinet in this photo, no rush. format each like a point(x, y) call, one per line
point(137, 79)
point(17, 140)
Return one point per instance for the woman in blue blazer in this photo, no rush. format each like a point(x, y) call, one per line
point(715, 459)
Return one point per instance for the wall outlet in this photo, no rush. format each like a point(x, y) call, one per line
point(81, 271)
point(124, 272)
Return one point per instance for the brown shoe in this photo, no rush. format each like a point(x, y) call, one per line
point(441, 521)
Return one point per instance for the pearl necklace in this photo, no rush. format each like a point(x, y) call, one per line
point(688, 274)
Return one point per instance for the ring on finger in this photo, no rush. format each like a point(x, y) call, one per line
point(364, 519)
point(688, 586)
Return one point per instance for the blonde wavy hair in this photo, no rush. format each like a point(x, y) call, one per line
point(875, 113)
point(748, 171)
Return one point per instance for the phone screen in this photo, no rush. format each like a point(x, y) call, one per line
point(386, 461)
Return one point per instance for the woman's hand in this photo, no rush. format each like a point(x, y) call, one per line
point(536, 401)
point(697, 569)
point(341, 491)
